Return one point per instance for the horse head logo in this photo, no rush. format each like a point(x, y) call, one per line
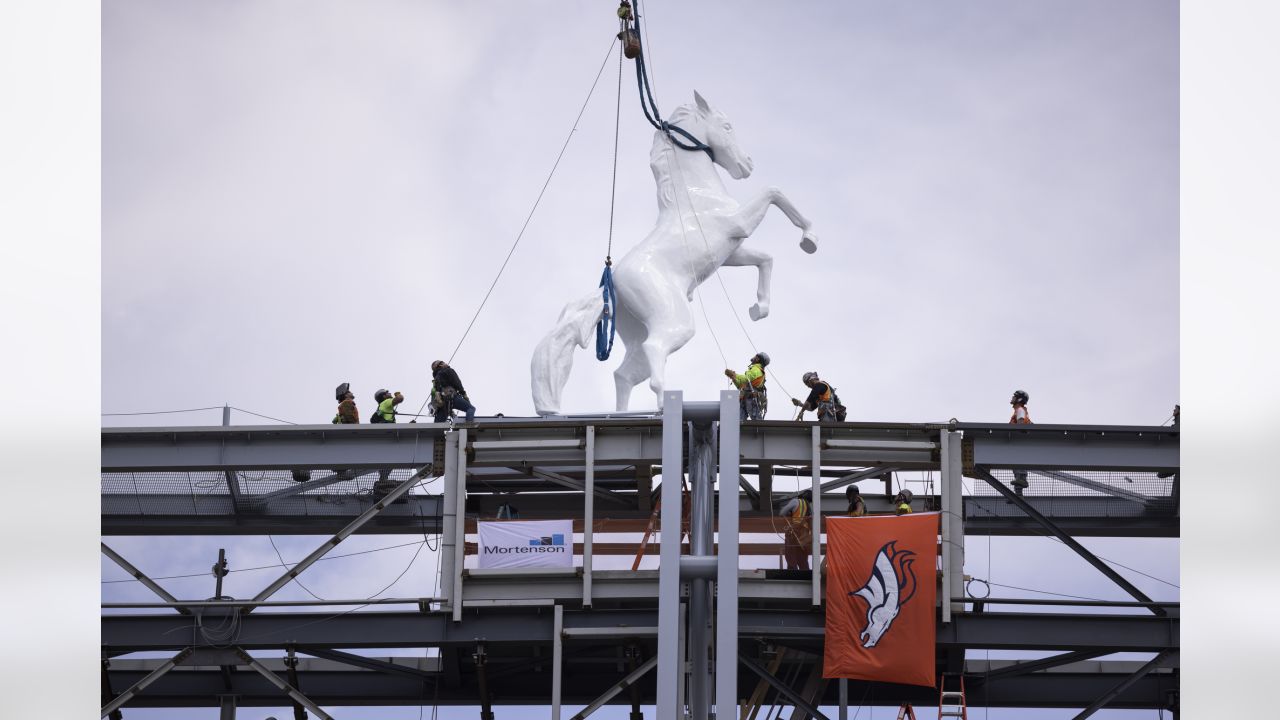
point(891, 585)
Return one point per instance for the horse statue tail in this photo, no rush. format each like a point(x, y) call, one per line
point(553, 357)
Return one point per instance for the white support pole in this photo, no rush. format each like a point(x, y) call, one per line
point(588, 520)
point(816, 508)
point(952, 523)
point(460, 520)
point(557, 661)
point(726, 668)
point(670, 671)
point(448, 529)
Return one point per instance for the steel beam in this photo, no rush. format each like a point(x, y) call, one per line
point(1023, 667)
point(1069, 541)
point(1158, 661)
point(151, 677)
point(371, 663)
point(1096, 486)
point(726, 668)
point(285, 687)
point(460, 520)
point(579, 485)
point(141, 577)
point(342, 534)
point(622, 684)
point(669, 670)
point(782, 688)
point(588, 515)
point(994, 631)
point(1079, 447)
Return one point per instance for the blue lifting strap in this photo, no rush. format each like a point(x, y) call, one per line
point(607, 327)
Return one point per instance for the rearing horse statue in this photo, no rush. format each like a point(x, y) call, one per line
point(700, 228)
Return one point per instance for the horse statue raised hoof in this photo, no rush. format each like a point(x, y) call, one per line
point(700, 228)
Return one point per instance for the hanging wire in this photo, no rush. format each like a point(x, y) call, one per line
point(287, 567)
point(265, 567)
point(265, 417)
point(613, 186)
point(166, 412)
point(535, 206)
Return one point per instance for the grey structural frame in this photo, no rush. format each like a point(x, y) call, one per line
point(680, 628)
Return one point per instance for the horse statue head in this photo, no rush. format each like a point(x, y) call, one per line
point(713, 128)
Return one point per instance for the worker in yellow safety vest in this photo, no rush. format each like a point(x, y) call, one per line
point(753, 398)
point(902, 502)
point(798, 536)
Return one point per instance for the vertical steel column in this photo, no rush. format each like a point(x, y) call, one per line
point(449, 509)
point(816, 509)
point(669, 671)
point(557, 661)
point(727, 566)
point(952, 524)
point(588, 519)
point(700, 546)
point(227, 705)
point(460, 520)
point(844, 699)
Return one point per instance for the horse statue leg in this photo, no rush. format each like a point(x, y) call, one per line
point(657, 303)
point(763, 262)
point(634, 368)
point(751, 213)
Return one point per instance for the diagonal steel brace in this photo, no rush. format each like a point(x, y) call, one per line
point(342, 534)
point(782, 688)
point(142, 684)
point(142, 578)
point(1069, 541)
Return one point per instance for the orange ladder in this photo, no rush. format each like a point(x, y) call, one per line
point(951, 703)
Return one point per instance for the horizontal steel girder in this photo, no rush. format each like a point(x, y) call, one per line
point(261, 630)
point(636, 441)
point(333, 686)
point(215, 515)
point(1066, 447)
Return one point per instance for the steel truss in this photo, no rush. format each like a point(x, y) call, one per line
point(506, 638)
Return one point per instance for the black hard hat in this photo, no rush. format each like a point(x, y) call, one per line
point(809, 376)
point(763, 357)
point(342, 390)
point(381, 394)
point(1021, 396)
point(435, 365)
point(852, 490)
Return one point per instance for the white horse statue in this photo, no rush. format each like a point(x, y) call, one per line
point(700, 228)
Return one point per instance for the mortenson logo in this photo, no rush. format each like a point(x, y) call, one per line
point(545, 544)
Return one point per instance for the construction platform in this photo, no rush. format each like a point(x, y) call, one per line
point(511, 637)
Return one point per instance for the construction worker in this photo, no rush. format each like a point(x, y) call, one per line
point(822, 398)
point(387, 402)
point(798, 536)
point(347, 412)
point(753, 398)
point(902, 501)
point(857, 507)
point(1020, 416)
point(447, 393)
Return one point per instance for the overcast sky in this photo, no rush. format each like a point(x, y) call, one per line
point(297, 195)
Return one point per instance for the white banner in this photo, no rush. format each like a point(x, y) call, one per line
point(526, 543)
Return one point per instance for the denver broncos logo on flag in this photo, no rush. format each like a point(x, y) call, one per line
point(892, 584)
point(881, 617)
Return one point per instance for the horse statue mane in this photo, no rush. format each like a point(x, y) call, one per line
point(656, 279)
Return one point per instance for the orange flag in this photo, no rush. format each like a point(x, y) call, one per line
point(881, 591)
